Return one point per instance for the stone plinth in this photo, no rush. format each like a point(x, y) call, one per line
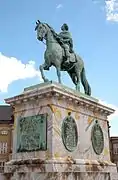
point(59, 134)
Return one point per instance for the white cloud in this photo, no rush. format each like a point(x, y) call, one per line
point(115, 114)
point(96, 1)
point(112, 10)
point(12, 69)
point(59, 6)
point(113, 118)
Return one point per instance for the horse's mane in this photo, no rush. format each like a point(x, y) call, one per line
point(51, 29)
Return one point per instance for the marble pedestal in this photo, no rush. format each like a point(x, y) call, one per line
point(70, 151)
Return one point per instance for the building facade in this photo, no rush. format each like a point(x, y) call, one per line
point(114, 150)
point(6, 123)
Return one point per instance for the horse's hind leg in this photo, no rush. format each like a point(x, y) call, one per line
point(78, 81)
point(42, 67)
point(78, 86)
point(73, 77)
point(58, 74)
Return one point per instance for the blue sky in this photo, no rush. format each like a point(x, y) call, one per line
point(94, 27)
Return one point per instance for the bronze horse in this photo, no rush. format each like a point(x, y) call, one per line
point(54, 55)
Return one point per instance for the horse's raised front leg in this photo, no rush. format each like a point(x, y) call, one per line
point(58, 74)
point(42, 67)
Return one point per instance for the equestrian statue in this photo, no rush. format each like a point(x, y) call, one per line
point(59, 53)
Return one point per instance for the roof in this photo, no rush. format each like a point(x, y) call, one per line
point(5, 112)
point(114, 137)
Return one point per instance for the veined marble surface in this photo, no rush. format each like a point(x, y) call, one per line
point(57, 102)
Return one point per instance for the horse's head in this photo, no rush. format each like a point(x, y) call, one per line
point(41, 30)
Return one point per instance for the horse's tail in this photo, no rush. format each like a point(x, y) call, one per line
point(85, 83)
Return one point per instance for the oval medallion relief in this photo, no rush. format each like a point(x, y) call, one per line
point(69, 133)
point(97, 138)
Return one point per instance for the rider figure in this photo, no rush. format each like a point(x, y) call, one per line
point(66, 41)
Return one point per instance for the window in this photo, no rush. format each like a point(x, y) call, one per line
point(115, 148)
point(2, 167)
point(3, 147)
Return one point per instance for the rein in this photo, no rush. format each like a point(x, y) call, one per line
point(53, 33)
point(50, 42)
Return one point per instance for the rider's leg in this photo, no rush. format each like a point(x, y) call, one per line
point(67, 54)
